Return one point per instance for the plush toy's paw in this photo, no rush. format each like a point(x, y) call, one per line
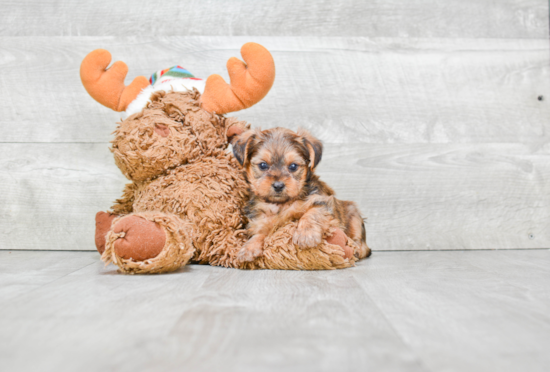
point(251, 250)
point(103, 222)
point(307, 235)
point(140, 239)
point(340, 238)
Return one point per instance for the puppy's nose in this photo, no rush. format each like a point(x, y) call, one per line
point(278, 186)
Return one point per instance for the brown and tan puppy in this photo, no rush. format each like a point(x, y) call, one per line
point(279, 167)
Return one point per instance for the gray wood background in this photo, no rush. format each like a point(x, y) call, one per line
point(435, 114)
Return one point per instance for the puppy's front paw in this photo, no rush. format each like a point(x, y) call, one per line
point(307, 235)
point(251, 250)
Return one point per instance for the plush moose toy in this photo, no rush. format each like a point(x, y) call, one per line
point(187, 193)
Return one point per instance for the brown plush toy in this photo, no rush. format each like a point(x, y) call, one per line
point(186, 196)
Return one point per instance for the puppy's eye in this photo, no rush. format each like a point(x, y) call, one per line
point(263, 165)
point(292, 167)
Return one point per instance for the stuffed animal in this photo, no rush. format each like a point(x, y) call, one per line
point(186, 195)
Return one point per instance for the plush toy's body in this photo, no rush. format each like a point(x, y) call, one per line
point(185, 202)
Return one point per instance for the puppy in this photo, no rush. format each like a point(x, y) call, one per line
point(279, 166)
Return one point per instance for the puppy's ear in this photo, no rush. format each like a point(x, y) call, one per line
point(242, 146)
point(314, 147)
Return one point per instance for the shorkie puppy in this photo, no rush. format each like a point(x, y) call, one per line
point(279, 166)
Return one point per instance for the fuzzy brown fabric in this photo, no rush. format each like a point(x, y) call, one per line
point(185, 180)
point(281, 254)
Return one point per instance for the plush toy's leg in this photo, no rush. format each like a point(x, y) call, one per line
point(336, 251)
point(103, 221)
point(148, 242)
point(338, 237)
point(351, 248)
point(138, 239)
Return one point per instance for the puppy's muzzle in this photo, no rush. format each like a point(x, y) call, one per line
point(278, 186)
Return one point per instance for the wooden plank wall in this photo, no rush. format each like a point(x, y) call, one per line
point(435, 114)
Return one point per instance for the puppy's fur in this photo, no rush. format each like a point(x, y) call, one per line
point(279, 166)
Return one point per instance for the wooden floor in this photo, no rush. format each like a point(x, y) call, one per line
point(398, 311)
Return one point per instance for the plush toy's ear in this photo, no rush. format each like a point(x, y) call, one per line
point(250, 81)
point(314, 147)
point(242, 147)
point(106, 85)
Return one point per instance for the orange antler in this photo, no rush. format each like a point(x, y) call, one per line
point(250, 81)
point(106, 86)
